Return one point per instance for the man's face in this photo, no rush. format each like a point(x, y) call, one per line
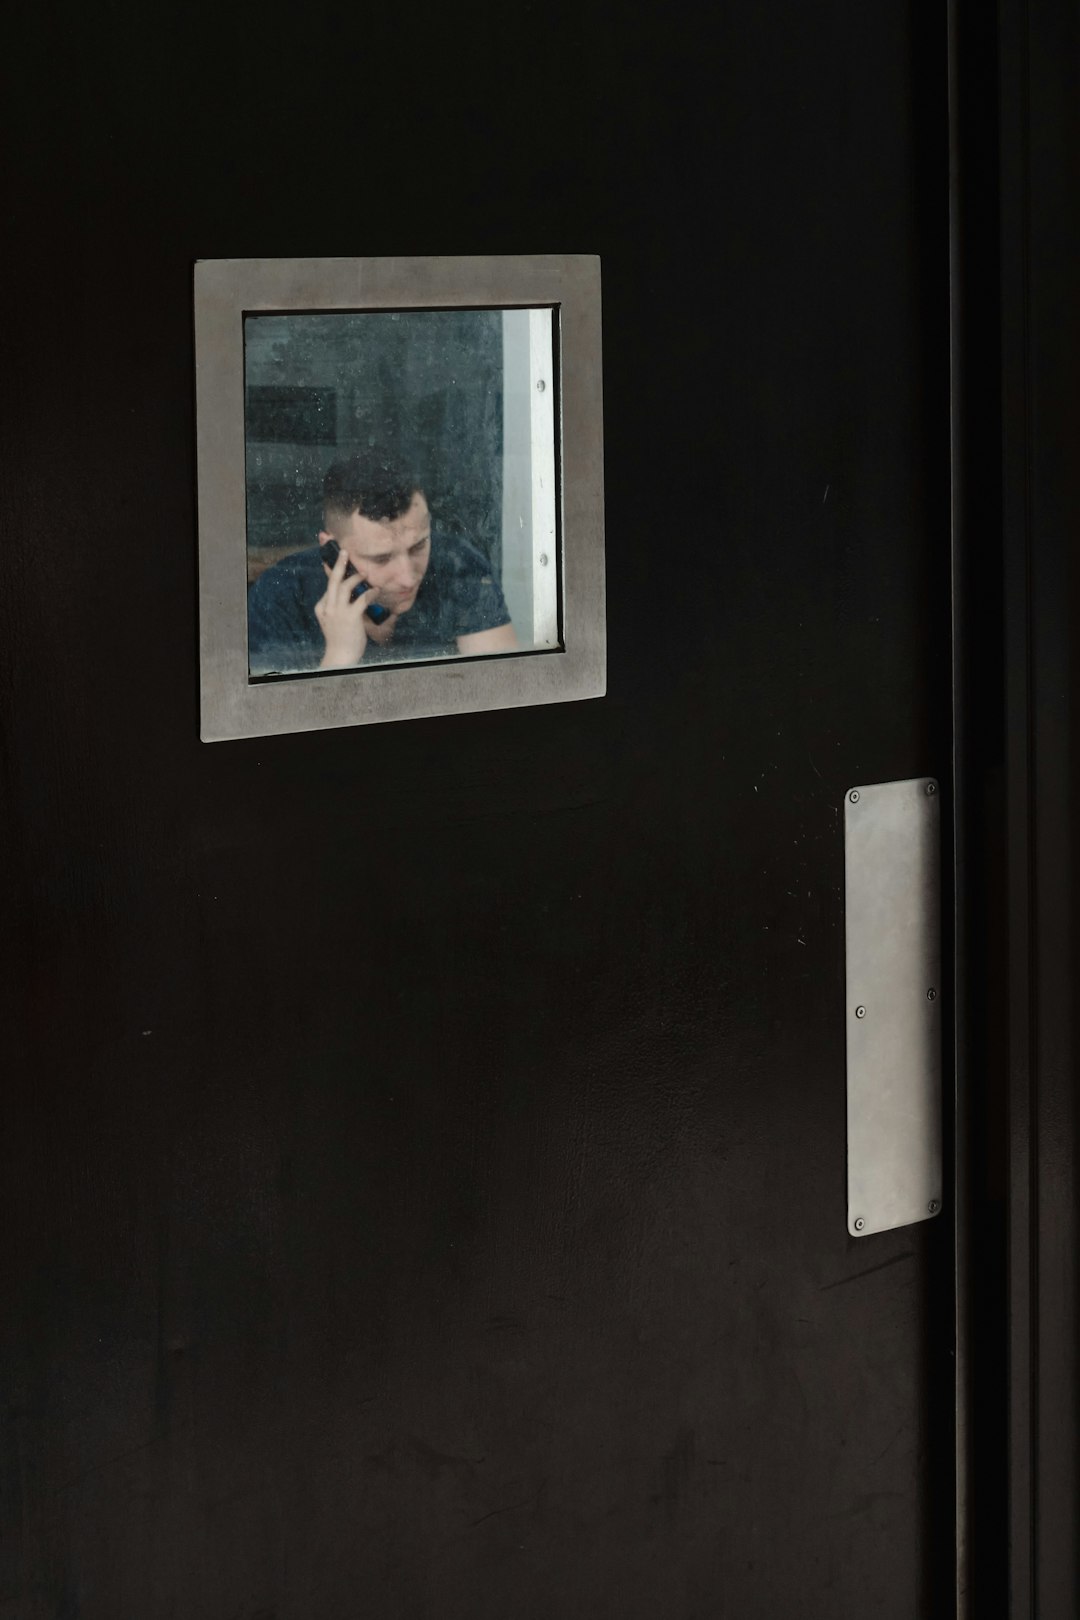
point(391, 554)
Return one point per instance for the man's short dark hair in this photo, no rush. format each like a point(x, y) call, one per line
point(374, 483)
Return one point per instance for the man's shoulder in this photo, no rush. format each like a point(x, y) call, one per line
point(282, 627)
point(297, 569)
point(464, 591)
point(455, 554)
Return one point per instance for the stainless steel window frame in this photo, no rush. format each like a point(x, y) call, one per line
point(233, 706)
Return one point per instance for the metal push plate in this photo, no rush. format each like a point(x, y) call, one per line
point(892, 868)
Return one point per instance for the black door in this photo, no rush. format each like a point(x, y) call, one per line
point(424, 1149)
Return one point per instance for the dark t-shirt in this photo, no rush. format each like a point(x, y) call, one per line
point(458, 596)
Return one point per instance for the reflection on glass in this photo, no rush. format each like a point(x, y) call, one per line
point(401, 491)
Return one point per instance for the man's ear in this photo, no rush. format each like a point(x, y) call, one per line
point(324, 536)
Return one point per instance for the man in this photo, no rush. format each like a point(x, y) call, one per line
point(415, 593)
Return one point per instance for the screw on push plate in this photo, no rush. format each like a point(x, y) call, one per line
point(931, 995)
point(931, 787)
point(859, 1224)
point(543, 559)
point(540, 385)
point(860, 1012)
point(932, 1206)
point(854, 795)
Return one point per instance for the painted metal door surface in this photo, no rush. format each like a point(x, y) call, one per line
point(424, 1145)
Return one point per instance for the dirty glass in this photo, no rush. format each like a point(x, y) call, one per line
point(402, 502)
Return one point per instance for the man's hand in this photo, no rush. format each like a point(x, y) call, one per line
point(341, 617)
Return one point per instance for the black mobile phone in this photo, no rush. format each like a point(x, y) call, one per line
point(329, 551)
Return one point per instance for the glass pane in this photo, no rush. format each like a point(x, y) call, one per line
point(402, 502)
